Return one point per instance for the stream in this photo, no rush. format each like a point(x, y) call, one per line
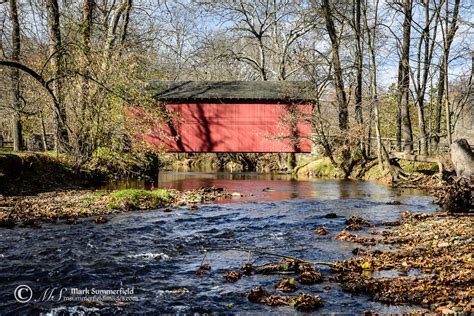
point(144, 256)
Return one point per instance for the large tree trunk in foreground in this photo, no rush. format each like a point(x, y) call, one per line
point(15, 78)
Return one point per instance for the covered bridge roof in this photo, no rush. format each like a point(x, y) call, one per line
point(231, 90)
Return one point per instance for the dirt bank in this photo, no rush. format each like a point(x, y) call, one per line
point(431, 263)
point(29, 173)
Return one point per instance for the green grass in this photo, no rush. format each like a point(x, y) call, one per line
point(100, 193)
point(321, 168)
point(140, 199)
point(88, 199)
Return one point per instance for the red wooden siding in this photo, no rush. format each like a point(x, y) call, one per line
point(230, 127)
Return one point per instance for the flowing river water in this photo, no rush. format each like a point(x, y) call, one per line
point(148, 254)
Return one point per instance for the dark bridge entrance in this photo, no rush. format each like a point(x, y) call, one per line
point(232, 116)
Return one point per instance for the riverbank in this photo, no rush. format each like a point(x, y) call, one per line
point(431, 263)
point(27, 173)
point(71, 205)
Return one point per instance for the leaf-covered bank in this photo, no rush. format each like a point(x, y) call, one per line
point(431, 264)
point(69, 206)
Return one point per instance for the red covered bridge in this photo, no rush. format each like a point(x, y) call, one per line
point(232, 116)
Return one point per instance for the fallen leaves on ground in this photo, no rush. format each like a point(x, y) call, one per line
point(72, 204)
point(433, 263)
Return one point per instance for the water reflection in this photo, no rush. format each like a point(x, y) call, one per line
point(268, 187)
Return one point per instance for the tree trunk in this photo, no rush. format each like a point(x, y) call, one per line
point(55, 51)
point(423, 71)
point(448, 35)
point(439, 104)
point(86, 30)
point(15, 79)
point(381, 151)
point(358, 91)
point(399, 110)
point(405, 79)
point(339, 83)
point(112, 33)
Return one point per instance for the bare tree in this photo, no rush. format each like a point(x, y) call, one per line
point(56, 56)
point(371, 32)
point(404, 78)
point(15, 78)
point(356, 26)
point(448, 32)
point(424, 58)
point(337, 68)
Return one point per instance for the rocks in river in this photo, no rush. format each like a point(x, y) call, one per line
point(232, 276)
point(354, 226)
point(202, 269)
point(321, 230)
point(345, 236)
point(179, 290)
point(356, 223)
point(205, 266)
point(260, 296)
point(247, 269)
point(394, 203)
point(257, 295)
point(330, 215)
point(71, 221)
point(310, 277)
point(31, 223)
point(101, 220)
point(121, 304)
point(193, 206)
point(306, 302)
point(287, 285)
